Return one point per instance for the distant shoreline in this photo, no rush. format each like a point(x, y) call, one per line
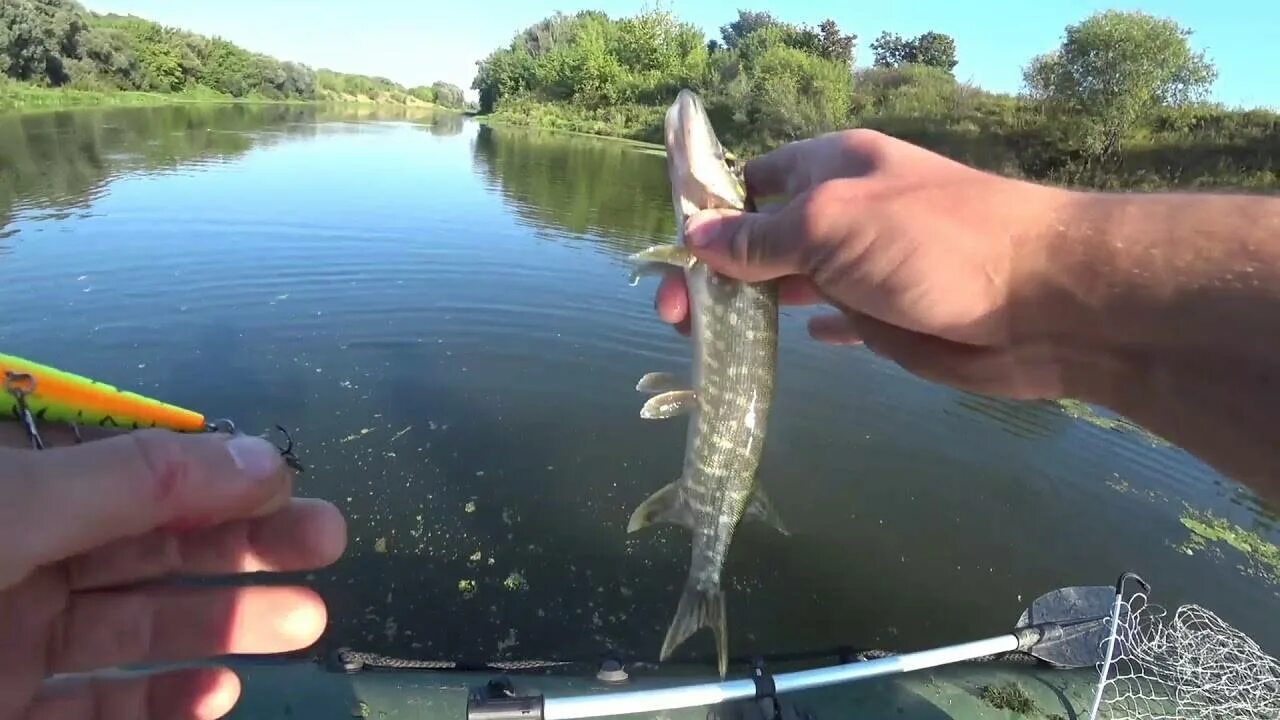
point(21, 98)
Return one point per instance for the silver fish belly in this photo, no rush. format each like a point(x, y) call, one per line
point(734, 333)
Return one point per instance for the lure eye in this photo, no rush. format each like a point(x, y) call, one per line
point(19, 382)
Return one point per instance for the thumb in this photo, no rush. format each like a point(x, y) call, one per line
point(66, 501)
point(747, 246)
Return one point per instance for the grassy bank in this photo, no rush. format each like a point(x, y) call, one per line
point(20, 97)
point(26, 97)
point(1188, 148)
point(631, 122)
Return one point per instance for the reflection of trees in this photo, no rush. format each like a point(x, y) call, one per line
point(427, 116)
point(60, 161)
point(446, 124)
point(609, 189)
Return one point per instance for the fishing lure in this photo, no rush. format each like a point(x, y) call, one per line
point(41, 393)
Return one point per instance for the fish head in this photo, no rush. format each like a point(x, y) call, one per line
point(702, 173)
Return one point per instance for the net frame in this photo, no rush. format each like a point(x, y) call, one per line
point(1191, 665)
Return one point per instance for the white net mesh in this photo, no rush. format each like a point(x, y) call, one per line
point(1188, 666)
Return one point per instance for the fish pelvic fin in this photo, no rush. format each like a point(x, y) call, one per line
point(670, 404)
point(763, 510)
point(665, 505)
point(699, 608)
point(660, 382)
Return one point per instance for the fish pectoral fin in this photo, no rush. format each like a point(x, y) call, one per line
point(657, 259)
point(699, 608)
point(669, 404)
point(763, 509)
point(666, 506)
point(659, 382)
point(677, 255)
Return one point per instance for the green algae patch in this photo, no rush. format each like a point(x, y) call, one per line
point(1086, 413)
point(1009, 696)
point(1262, 556)
point(515, 581)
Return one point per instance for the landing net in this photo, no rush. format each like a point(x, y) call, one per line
point(1188, 666)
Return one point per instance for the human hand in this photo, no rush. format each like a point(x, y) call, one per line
point(88, 534)
point(929, 262)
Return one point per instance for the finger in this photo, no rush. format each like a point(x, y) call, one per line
point(798, 290)
point(835, 329)
point(751, 246)
point(973, 368)
point(155, 625)
point(768, 174)
point(304, 535)
point(62, 502)
point(672, 298)
point(198, 694)
point(14, 435)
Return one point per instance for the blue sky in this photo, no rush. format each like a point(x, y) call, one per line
point(419, 41)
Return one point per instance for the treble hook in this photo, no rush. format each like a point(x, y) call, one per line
point(20, 385)
point(226, 426)
point(287, 452)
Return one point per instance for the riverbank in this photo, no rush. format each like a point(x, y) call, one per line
point(1197, 148)
point(26, 97)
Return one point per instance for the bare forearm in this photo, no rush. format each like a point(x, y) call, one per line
point(1176, 312)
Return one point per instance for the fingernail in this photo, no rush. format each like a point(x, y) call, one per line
point(255, 456)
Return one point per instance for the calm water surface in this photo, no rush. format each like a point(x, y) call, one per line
point(441, 312)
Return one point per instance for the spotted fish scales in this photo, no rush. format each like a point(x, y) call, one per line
point(727, 400)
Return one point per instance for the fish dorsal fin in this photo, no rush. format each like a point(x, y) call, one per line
point(664, 506)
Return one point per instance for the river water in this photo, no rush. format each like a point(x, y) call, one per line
point(440, 311)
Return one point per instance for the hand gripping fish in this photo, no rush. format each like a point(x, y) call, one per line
point(735, 335)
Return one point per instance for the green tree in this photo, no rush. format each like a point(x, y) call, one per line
point(1114, 70)
point(448, 95)
point(931, 48)
point(834, 45)
point(934, 50)
point(890, 50)
point(748, 22)
point(39, 37)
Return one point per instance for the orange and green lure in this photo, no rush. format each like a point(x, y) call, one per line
point(33, 392)
point(58, 396)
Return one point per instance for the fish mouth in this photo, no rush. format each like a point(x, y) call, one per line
point(696, 160)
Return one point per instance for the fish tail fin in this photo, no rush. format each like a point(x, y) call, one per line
point(699, 607)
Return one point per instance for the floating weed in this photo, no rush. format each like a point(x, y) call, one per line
point(1086, 413)
point(1262, 555)
point(1008, 697)
point(515, 581)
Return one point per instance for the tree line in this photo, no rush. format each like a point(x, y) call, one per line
point(1121, 101)
point(58, 43)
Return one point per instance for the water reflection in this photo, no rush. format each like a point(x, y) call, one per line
point(58, 163)
point(586, 186)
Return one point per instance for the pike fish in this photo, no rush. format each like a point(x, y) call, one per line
point(734, 338)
